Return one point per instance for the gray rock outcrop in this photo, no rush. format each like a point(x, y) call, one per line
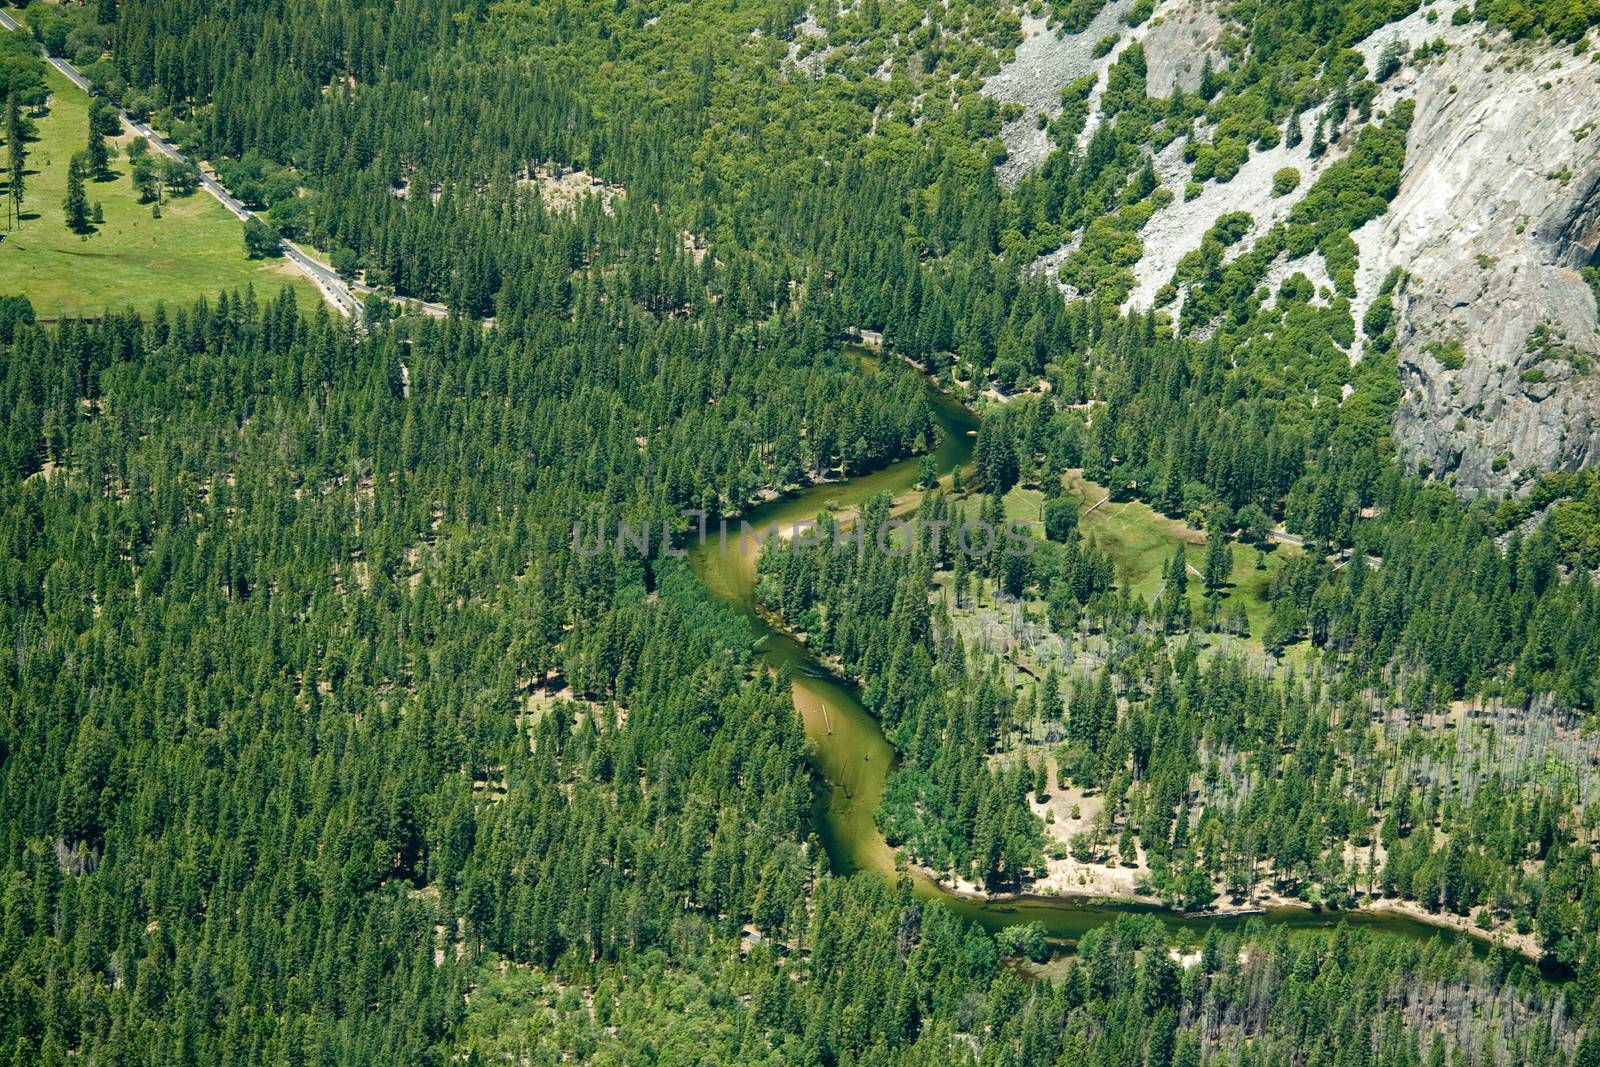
point(1499, 207)
point(1180, 37)
point(1498, 211)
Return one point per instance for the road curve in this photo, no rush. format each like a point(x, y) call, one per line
point(334, 289)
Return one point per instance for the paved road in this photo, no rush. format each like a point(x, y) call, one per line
point(410, 303)
point(60, 64)
point(334, 288)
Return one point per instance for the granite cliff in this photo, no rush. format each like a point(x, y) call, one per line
point(1496, 217)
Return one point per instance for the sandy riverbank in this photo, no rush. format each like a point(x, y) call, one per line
point(1104, 879)
point(1106, 890)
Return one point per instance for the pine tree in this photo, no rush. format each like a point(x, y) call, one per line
point(76, 204)
point(1338, 107)
point(99, 156)
point(1389, 60)
point(1219, 561)
point(1177, 573)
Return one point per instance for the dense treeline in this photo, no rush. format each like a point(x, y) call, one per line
point(1405, 598)
point(290, 613)
point(682, 112)
point(1192, 430)
point(869, 608)
point(192, 595)
point(884, 981)
point(1231, 782)
point(311, 715)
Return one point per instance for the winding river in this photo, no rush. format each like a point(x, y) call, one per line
point(853, 758)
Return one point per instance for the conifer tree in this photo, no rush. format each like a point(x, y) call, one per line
point(98, 156)
point(1178, 572)
point(1219, 561)
point(76, 205)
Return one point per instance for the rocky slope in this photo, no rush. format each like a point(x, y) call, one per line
point(1047, 61)
point(1498, 211)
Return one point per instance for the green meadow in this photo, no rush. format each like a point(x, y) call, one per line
point(1140, 541)
point(132, 259)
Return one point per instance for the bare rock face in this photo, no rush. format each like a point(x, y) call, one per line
point(1181, 36)
point(1498, 208)
point(1177, 39)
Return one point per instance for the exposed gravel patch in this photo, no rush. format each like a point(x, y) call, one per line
point(1044, 65)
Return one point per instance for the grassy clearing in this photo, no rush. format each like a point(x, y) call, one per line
point(1136, 536)
point(1018, 632)
point(1026, 506)
point(1141, 540)
point(132, 260)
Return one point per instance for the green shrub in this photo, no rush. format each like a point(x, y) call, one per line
point(1230, 228)
point(1285, 181)
point(1378, 323)
point(1075, 15)
point(1448, 352)
point(1565, 20)
point(1231, 153)
point(260, 240)
point(1028, 940)
point(1351, 191)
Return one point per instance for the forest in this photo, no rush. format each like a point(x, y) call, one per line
point(320, 744)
